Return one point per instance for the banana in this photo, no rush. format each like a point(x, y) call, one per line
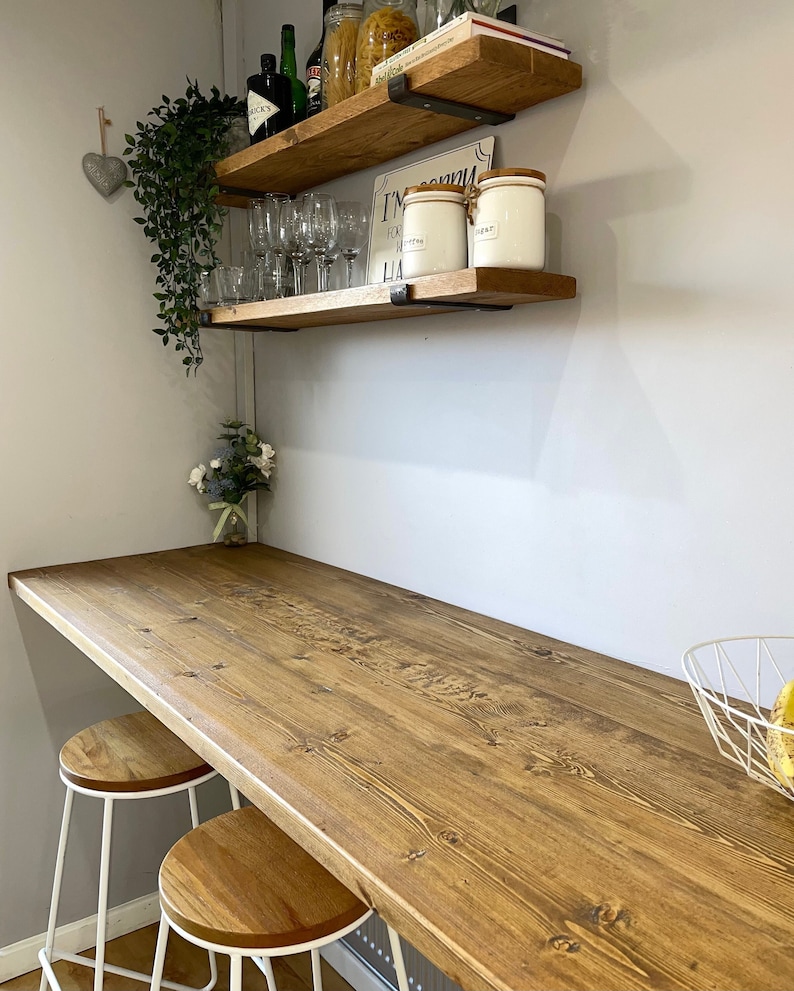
point(780, 746)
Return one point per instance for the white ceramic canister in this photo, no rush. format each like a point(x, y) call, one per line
point(434, 230)
point(509, 215)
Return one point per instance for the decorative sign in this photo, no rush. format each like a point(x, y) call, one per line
point(461, 166)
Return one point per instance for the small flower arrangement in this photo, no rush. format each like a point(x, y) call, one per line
point(242, 465)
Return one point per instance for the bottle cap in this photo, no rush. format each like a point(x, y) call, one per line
point(268, 63)
point(288, 27)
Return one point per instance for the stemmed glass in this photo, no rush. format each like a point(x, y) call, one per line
point(272, 221)
point(293, 239)
point(260, 239)
point(322, 228)
point(263, 229)
point(353, 232)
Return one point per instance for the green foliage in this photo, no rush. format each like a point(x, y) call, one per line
point(172, 162)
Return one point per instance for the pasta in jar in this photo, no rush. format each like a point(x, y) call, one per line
point(338, 66)
point(387, 26)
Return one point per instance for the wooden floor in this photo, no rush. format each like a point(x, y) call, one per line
point(184, 963)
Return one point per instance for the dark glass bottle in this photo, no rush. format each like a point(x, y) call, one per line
point(313, 63)
point(289, 68)
point(269, 101)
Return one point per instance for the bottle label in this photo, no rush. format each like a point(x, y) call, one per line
point(259, 111)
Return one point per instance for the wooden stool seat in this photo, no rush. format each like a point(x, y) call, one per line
point(129, 754)
point(239, 881)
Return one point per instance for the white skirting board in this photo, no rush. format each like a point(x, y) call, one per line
point(75, 937)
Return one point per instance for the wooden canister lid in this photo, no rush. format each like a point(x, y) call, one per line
point(434, 187)
point(492, 173)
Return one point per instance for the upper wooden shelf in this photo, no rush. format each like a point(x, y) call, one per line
point(471, 287)
point(369, 128)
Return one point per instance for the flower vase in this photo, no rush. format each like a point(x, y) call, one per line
point(234, 532)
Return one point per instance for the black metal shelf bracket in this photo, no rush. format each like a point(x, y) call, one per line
point(400, 295)
point(251, 194)
point(205, 320)
point(401, 92)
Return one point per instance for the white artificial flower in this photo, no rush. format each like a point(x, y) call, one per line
point(215, 463)
point(263, 461)
point(197, 476)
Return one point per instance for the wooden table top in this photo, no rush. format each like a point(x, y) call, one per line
point(528, 814)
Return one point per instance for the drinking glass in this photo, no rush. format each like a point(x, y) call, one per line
point(353, 232)
point(293, 239)
point(260, 238)
point(263, 229)
point(232, 285)
point(322, 230)
point(272, 216)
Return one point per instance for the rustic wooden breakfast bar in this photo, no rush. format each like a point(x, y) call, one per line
point(528, 814)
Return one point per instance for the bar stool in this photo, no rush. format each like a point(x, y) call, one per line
point(238, 885)
point(127, 758)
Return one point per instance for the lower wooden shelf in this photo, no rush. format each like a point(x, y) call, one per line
point(470, 288)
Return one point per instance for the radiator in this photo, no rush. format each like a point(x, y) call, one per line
point(370, 944)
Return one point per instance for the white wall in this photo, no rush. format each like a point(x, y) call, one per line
point(99, 424)
point(615, 470)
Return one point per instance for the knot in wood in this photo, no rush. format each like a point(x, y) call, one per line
point(416, 854)
point(566, 943)
point(341, 735)
point(449, 835)
point(218, 666)
point(604, 914)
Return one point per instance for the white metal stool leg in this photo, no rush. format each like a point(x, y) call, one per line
point(102, 905)
point(236, 972)
point(159, 953)
point(397, 958)
point(56, 884)
point(265, 964)
point(317, 976)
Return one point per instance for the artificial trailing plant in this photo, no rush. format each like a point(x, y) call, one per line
point(172, 163)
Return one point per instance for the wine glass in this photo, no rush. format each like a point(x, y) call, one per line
point(260, 239)
point(272, 217)
point(322, 229)
point(293, 239)
point(353, 232)
point(263, 218)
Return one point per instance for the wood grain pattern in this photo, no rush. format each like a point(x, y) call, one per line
point(129, 753)
point(500, 286)
point(238, 880)
point(369, 129)
point(527, 813)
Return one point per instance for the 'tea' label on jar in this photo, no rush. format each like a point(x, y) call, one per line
point(414, 242)
point(486, 232)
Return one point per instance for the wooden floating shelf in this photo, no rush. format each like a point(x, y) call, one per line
point(369, 129)
point(487, 287)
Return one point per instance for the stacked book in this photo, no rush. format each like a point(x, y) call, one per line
point(460, 29)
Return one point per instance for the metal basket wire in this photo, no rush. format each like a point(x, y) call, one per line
point(735, 682)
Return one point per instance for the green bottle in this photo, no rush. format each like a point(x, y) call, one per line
point(289, 68)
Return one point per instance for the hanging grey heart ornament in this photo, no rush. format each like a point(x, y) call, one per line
point(104, 172)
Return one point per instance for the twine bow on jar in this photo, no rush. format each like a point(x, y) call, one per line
point(470, 196)
point(228, 509)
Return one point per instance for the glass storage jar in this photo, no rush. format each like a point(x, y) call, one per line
point(387, 26)
point(338, 62)
point(434, 230)
point(508, 209)
point(438, 12)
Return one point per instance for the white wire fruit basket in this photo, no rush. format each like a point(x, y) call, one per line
point(735, 682)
